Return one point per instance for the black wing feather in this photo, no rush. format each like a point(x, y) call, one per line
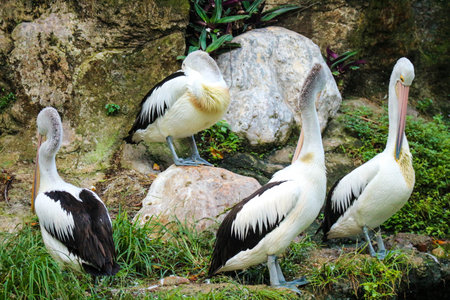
point(330, 215)
point(227, 244)
point(92, 234)
point(141, 123)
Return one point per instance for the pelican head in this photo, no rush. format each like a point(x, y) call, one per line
point(402, 77)
point(312, 86)
point(314, 83)
point(48, 125)
point(200, 61)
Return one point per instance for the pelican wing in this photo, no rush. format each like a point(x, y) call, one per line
point(84, 227)
point(251, 219)
point(158, 100)
point(346, 191)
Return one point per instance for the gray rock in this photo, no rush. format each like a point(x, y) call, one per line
point(196, 195)
point(78, 59)
point(265, 76)
point(135, 157)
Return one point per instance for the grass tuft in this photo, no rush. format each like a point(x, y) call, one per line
point(369, 277)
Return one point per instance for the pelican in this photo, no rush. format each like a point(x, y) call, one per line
point(184, 103)
point(262, 226)
point(374, 191)
point(75, 224)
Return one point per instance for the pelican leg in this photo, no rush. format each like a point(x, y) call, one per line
point(381, 249)
point(276, 280)
point(195, 155)
point(298, 281)
point(366, 236)
point(279, 272)
point(176, 160)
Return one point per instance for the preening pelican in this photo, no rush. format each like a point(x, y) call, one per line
point(373, 192)
point(262, 226)
point(181, 105)
point(75, 224)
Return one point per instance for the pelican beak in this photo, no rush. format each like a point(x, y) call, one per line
point(36, 178)
point(299, 146)
point(402, 95)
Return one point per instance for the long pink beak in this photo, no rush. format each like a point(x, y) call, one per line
point(403, 92)
point(299, 146)
point(36, 176)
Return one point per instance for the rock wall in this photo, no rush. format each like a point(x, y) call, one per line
point(382, 32)
point(79, 56)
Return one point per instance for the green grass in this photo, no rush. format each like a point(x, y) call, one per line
point(27, 271)
point(145, 254)
point(428, 209)
point(369, 277)
point(149, 253)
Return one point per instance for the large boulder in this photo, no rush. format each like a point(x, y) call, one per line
point(265, 76)
point(196, 195)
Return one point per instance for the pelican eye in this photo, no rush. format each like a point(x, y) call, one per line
point(402, 78)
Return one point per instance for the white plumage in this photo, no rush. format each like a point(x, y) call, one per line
point(184, 103)
point(373, 192)
point(263, 225)
point(75, 225)
point(255, 213)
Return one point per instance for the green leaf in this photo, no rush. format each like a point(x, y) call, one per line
point(192, 49)
point(213, 36)
point(344, 56)
point(217, 13)
point(202, 39)
point(219, 42)
point(280, 11)
point(201, 13)
point(279, 7)
point(254, 7)
point(230, 19)
point(181, 57)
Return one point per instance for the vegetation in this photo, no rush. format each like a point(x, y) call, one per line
point(213, 23)
point(369, 278)
point(154, 251)
point(424, 105)
point(6, 99)
point(341, 64)
point(217, 141)
point(145, 254)
point(427, 211)
point(112, 109)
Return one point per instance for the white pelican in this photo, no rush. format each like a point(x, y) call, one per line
point(262, 226)
point(184, 103)
point(373, 192)
point(75, 224)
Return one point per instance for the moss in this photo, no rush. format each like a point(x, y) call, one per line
point(180, 6)
point(103, 149)
point(122, 77)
